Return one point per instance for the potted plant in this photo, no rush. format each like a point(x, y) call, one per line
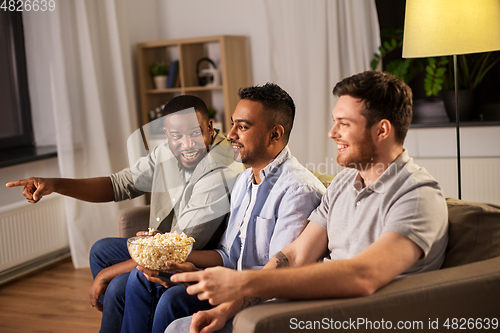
point(408, 68)
point(471, 69)
point(438, 72)
point(159, 71)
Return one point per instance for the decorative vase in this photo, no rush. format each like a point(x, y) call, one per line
point(465, 104)
point(429, 110)
point(160, 81)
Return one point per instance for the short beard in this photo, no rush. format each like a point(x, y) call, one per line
point(365, 157)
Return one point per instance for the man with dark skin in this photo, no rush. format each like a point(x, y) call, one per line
point(197, 165)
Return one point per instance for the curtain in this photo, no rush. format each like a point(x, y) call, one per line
point(313, 45)
point(81, 87)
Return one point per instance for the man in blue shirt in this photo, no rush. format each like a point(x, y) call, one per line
point(269, 204)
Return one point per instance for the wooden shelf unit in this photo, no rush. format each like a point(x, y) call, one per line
point(229, 53)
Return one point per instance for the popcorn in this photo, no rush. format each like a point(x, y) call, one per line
point(153, 252)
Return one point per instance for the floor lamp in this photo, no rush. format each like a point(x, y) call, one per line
point(451, 27)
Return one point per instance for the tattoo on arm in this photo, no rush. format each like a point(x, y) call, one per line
point(281, 260)
point(250, 301)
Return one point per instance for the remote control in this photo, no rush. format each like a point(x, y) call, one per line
point(165, 277)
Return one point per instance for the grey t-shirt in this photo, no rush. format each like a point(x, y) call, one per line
point(405, 199)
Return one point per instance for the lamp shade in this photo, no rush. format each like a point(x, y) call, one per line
point(448, 27)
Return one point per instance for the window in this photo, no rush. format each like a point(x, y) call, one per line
point(15, 115)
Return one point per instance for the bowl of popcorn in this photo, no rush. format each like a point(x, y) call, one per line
point(153, 252)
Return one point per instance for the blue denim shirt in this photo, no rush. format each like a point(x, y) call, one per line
point(286, 197)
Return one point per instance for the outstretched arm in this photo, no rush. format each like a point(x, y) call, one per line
point(99, 189)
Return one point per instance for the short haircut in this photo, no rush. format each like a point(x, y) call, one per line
point(276, 102)
point(183, 102)
point(385, 97)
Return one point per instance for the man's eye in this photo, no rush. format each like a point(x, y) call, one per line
point(197, 133)
point(176, 137)
point(243, 127)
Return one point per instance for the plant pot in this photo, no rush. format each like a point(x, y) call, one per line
point(429, 110)
point(160, 81)
point(465, 104)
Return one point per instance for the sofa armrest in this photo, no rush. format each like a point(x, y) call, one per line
point(131, 220)
point(468, 291)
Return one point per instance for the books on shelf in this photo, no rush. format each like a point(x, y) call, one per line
point(174, 74)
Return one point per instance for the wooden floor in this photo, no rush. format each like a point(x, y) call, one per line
point(52, 300)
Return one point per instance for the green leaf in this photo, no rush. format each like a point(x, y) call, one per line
point(440, 71)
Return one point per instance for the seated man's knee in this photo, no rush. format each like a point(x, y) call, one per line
point(99, 247)
point(116, 288)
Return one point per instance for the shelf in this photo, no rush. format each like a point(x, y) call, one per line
point(229, 53)
point(164, 91)
point(477, 123)
point(27, 154)
point(201, 88)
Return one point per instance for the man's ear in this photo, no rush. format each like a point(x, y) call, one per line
point(277, 133)
point(384, 129)
point(210, 125)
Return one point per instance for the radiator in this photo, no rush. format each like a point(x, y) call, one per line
point(480, 177)
point(32, 236)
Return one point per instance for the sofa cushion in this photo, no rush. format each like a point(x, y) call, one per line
point(323, 177)
point(474, 232)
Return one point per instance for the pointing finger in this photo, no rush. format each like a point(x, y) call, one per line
point(23, 182)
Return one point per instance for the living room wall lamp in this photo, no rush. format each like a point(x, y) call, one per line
point(451, 27)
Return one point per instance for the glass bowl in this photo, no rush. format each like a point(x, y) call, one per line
point(154, 257)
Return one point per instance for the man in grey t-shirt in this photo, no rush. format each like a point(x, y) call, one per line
point(382, 217)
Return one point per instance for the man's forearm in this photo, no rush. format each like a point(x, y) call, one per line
point(207, 258)
point(109, 273)
point(99, 189)
point(320, 280)
point(280, 260)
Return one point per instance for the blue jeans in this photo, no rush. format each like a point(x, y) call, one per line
point(150, 307)
point(104, 253)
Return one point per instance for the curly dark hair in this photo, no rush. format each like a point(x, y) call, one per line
point(276, 101)
point(385, 97)
point(182, 102)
